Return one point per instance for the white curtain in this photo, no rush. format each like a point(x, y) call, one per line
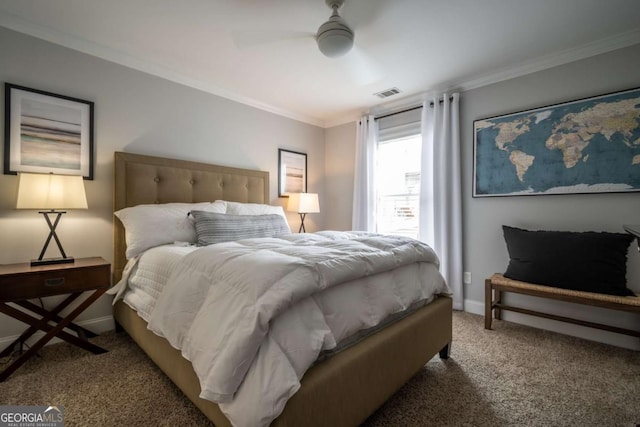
point(364, 196)
point(440, 188)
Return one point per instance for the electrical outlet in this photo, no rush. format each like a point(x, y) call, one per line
point(467, 278)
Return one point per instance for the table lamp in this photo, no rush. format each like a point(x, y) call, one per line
point(303, 203)
point(53, 193)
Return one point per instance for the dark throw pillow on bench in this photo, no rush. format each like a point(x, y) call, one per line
point(588, 261)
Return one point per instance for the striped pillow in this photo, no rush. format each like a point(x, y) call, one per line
point(217, 228)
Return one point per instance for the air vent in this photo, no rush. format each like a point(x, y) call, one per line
point(387, 93)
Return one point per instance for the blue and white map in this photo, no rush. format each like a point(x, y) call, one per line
point(585, 146)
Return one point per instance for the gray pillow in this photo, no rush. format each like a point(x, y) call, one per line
point(217, 228)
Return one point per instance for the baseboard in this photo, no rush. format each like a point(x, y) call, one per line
point(611, 338)
point(474, 307)
point(97, 325)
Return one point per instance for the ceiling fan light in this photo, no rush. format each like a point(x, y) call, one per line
point(334, 37)
point(335, 43)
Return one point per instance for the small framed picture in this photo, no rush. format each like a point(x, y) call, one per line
point(47, 133)
point(292, 172)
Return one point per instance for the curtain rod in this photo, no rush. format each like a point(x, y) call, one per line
point(398, 112)
point(409, 109)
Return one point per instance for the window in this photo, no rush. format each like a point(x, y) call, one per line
point(398, 186)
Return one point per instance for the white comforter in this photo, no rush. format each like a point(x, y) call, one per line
point(253, 315)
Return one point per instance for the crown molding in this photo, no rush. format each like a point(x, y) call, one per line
point(556, 59)
point(515, 70)
point(348, 117)
point(94, 49)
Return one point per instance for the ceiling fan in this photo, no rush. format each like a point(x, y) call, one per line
point(334, 37)
point(335, 40)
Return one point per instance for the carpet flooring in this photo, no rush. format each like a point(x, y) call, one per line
point(511, 376)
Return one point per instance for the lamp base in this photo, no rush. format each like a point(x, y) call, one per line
point(50, 261)
point(301, 229)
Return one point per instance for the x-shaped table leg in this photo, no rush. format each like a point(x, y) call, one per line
point(51, 331)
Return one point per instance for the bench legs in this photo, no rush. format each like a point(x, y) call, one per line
point(493, 293)
point(492, 301)
point(497, 300)
point(488, 303)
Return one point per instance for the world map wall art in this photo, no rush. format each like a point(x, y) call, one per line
point(591, 145)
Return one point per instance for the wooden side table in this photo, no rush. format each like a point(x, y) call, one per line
point(21, 282)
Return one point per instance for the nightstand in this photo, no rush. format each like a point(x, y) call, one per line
point(22, 282)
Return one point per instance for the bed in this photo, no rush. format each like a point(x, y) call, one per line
point(342, 390)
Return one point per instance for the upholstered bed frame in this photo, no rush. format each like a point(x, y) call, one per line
point(340, 391)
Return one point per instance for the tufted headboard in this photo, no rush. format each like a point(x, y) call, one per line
point(143, 179)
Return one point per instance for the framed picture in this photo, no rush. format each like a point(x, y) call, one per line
point(590, 145)
point(47, 133)
point(292, 172)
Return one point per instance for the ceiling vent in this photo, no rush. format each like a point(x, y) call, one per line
point(387, 92)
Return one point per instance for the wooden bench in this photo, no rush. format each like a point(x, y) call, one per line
point(497, 284)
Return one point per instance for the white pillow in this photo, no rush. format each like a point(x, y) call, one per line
point(147, 226)
point(235, 208)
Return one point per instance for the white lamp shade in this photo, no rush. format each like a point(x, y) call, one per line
point(48, 191)
point(303, 203)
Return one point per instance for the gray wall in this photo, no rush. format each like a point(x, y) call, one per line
point(339, 169)
point(484, 248)
point(138, 113)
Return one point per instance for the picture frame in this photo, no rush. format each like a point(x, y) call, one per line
point(589, 145)
point(47, 133)
point(292, 172)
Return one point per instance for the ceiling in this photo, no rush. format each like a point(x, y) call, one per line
point(262, 52)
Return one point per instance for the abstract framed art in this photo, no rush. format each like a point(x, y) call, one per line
point(292, 172)
point(47, 133)
point(590, 145)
